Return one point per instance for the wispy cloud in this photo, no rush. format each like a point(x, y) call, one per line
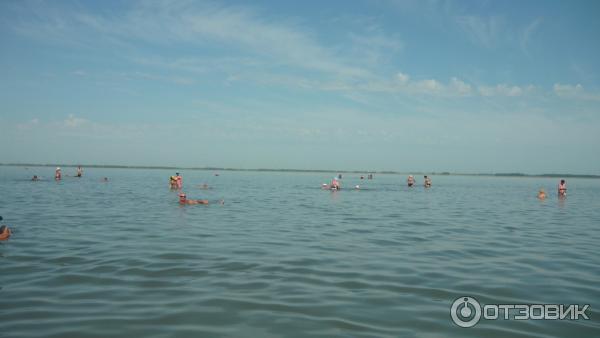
point(505, 90)
point(577, 91)
point(527, 33)
point(481, 30)
point(74, 122)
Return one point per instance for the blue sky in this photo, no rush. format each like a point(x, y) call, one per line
point(469, 86)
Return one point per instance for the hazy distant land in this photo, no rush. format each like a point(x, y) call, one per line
point(557, 175)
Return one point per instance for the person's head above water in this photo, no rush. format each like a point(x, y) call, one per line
point(562, 181)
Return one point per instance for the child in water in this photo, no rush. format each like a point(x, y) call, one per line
point(541, 194)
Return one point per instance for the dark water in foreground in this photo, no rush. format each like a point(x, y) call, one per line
point(283, 258)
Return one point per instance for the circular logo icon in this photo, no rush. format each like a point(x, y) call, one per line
point(465, 311)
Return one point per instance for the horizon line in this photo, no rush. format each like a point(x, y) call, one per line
point(441, 173)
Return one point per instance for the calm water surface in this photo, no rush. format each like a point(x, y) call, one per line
point(283, 258)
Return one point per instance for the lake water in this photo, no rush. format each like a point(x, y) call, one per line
point(283, 258)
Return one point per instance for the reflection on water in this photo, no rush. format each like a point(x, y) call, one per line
point(283, 257)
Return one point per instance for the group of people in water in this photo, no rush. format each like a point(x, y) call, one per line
point(562, 191)
point(176, 183)
point(58, 175)
point(410, 181)
point(336, 185)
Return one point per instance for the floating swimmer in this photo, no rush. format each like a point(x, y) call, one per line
point(410, 181)
point(4, 232)
point(541, 194)
point(183, 200)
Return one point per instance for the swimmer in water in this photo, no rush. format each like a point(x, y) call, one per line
point(410, 181)
point(4, 232)
point(57, 174)
point(562, 188)
point(427, 181)
point(79, 171)
point(35, 178)
point(183, 200)
point(541, 194)
point(105, 179)
point(335, 184)
point(179, 180)
point(173, 182)
point(357, 187)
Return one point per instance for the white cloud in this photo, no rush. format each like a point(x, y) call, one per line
point(460, 87)
point(504, 90)
point(430, 85)
point(575, 92)
point(29, 124)
point(74, 122)
point(403, 78)
point(568, 90)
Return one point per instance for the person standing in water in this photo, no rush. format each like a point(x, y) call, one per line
point(427, 181)
point(79, 171)
point(173, 182)
point(410, 181)
point(335, 184)
point(57, 174)
point(179, 180)
point(562, 188)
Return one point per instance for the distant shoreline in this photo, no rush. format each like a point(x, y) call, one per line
point(444, 173)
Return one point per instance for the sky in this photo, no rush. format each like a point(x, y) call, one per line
point(460, 86)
